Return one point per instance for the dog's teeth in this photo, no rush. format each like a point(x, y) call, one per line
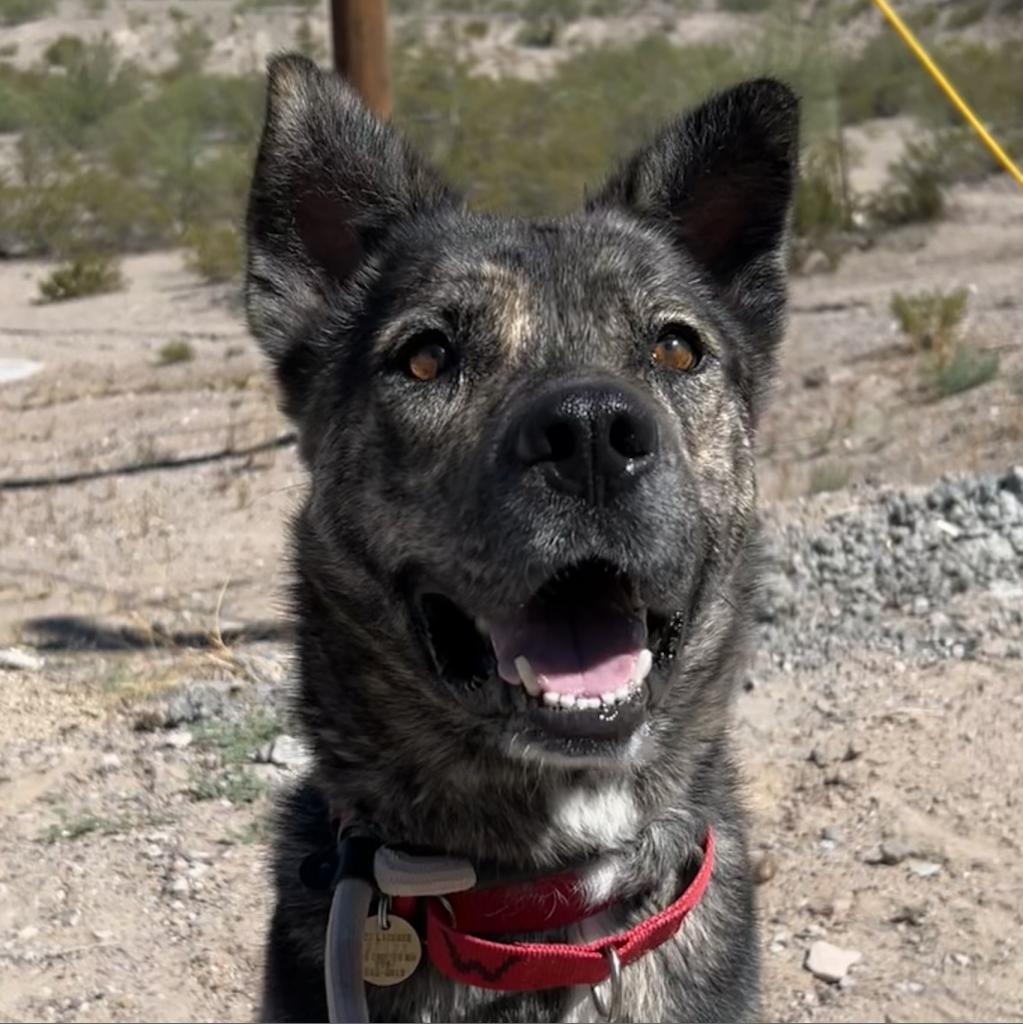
point(551, 698)
point(608, 698)
point(567, 700)
point(591, 703)
point(644, 663)
point(622, 695)
point(527, 675)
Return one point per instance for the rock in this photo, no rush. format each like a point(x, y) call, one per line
point(765, 867)
point(178, 887)
point(289, 752)
point(109, 763)
point(910, 913)
point(830, 963)
point(895, 851)
point(19, 660)
point(833, 834)
point(178, 740)
point(872, 856)
point(924, 868)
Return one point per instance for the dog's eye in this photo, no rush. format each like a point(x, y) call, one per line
point(678, 348)
point(426, 356)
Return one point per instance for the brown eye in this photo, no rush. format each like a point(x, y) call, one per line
point(678, 348)
point(427, 356)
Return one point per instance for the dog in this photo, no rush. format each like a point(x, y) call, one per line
point(525, 565)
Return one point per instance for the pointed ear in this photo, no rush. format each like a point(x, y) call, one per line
point(720, 178)
point(330, 182)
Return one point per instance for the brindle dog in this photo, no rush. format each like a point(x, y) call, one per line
point(525, 563)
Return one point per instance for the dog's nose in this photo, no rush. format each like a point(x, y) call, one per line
point(591, 440)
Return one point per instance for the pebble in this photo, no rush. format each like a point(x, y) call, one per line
point(109, 763)
point(924, 868)
point(178, 740)
point(19, 660)
point(830, 963)
point(895, 851)
point(765, 867)
point(911, 549)
point(289, 752)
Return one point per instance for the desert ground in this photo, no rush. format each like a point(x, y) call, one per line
point(144, 657)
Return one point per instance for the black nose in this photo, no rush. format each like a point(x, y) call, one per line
point(591, 440)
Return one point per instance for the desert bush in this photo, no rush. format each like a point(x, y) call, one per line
point(192, 48)
point(16, 12)
point(214, 251)
point(826, 477)
point(931, 320)
point(65, 51)
point(175, 352)
point(82, 276)
point(967, 368)
point(821, 213)
point(745, 6)
point(913, 193)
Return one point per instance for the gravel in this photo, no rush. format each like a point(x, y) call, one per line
point(886, 574)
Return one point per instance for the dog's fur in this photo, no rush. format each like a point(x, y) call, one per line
point(355, 246)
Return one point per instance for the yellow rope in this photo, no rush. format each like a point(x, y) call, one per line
point(949, 90)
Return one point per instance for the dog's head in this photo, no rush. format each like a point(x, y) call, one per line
point(530, 442)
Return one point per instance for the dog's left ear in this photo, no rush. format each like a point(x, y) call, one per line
point(720, 178)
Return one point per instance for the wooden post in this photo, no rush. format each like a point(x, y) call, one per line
point(360, 50)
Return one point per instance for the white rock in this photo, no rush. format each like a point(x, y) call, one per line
point(289, 752)
point(179, 739)
point(19, 660)
point(830, 963)
point(109, 763)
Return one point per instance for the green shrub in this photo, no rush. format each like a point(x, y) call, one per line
point(745, 6)
point(931, 320)
point(65, 51)
point(914, 192)
point(539, 33)
point(967, 368)
point(192, 48)
point(214, 252)
point(175, 352)
point(828, 476)
point(80, 277)
point(821, 212)
point(16, 12)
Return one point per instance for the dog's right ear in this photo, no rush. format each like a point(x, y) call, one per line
point(330, 182)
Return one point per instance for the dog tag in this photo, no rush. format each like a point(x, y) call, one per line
point(389, 957)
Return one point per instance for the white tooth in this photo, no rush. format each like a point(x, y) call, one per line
point(608, 698)
point(527, 675)
point(644, 663)
point(592, 703)
point(551, 698)
point(622, 694)
point(567, 700)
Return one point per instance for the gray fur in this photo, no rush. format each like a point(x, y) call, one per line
point(354, 246)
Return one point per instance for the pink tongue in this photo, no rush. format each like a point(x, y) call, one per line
point(591, 652)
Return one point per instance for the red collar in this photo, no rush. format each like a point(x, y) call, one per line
point(457, 949)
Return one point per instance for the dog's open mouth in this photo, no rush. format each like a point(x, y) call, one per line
point(576, 657)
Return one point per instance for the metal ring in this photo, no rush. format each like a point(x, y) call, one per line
point(383, 909)
point(611, 1011)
